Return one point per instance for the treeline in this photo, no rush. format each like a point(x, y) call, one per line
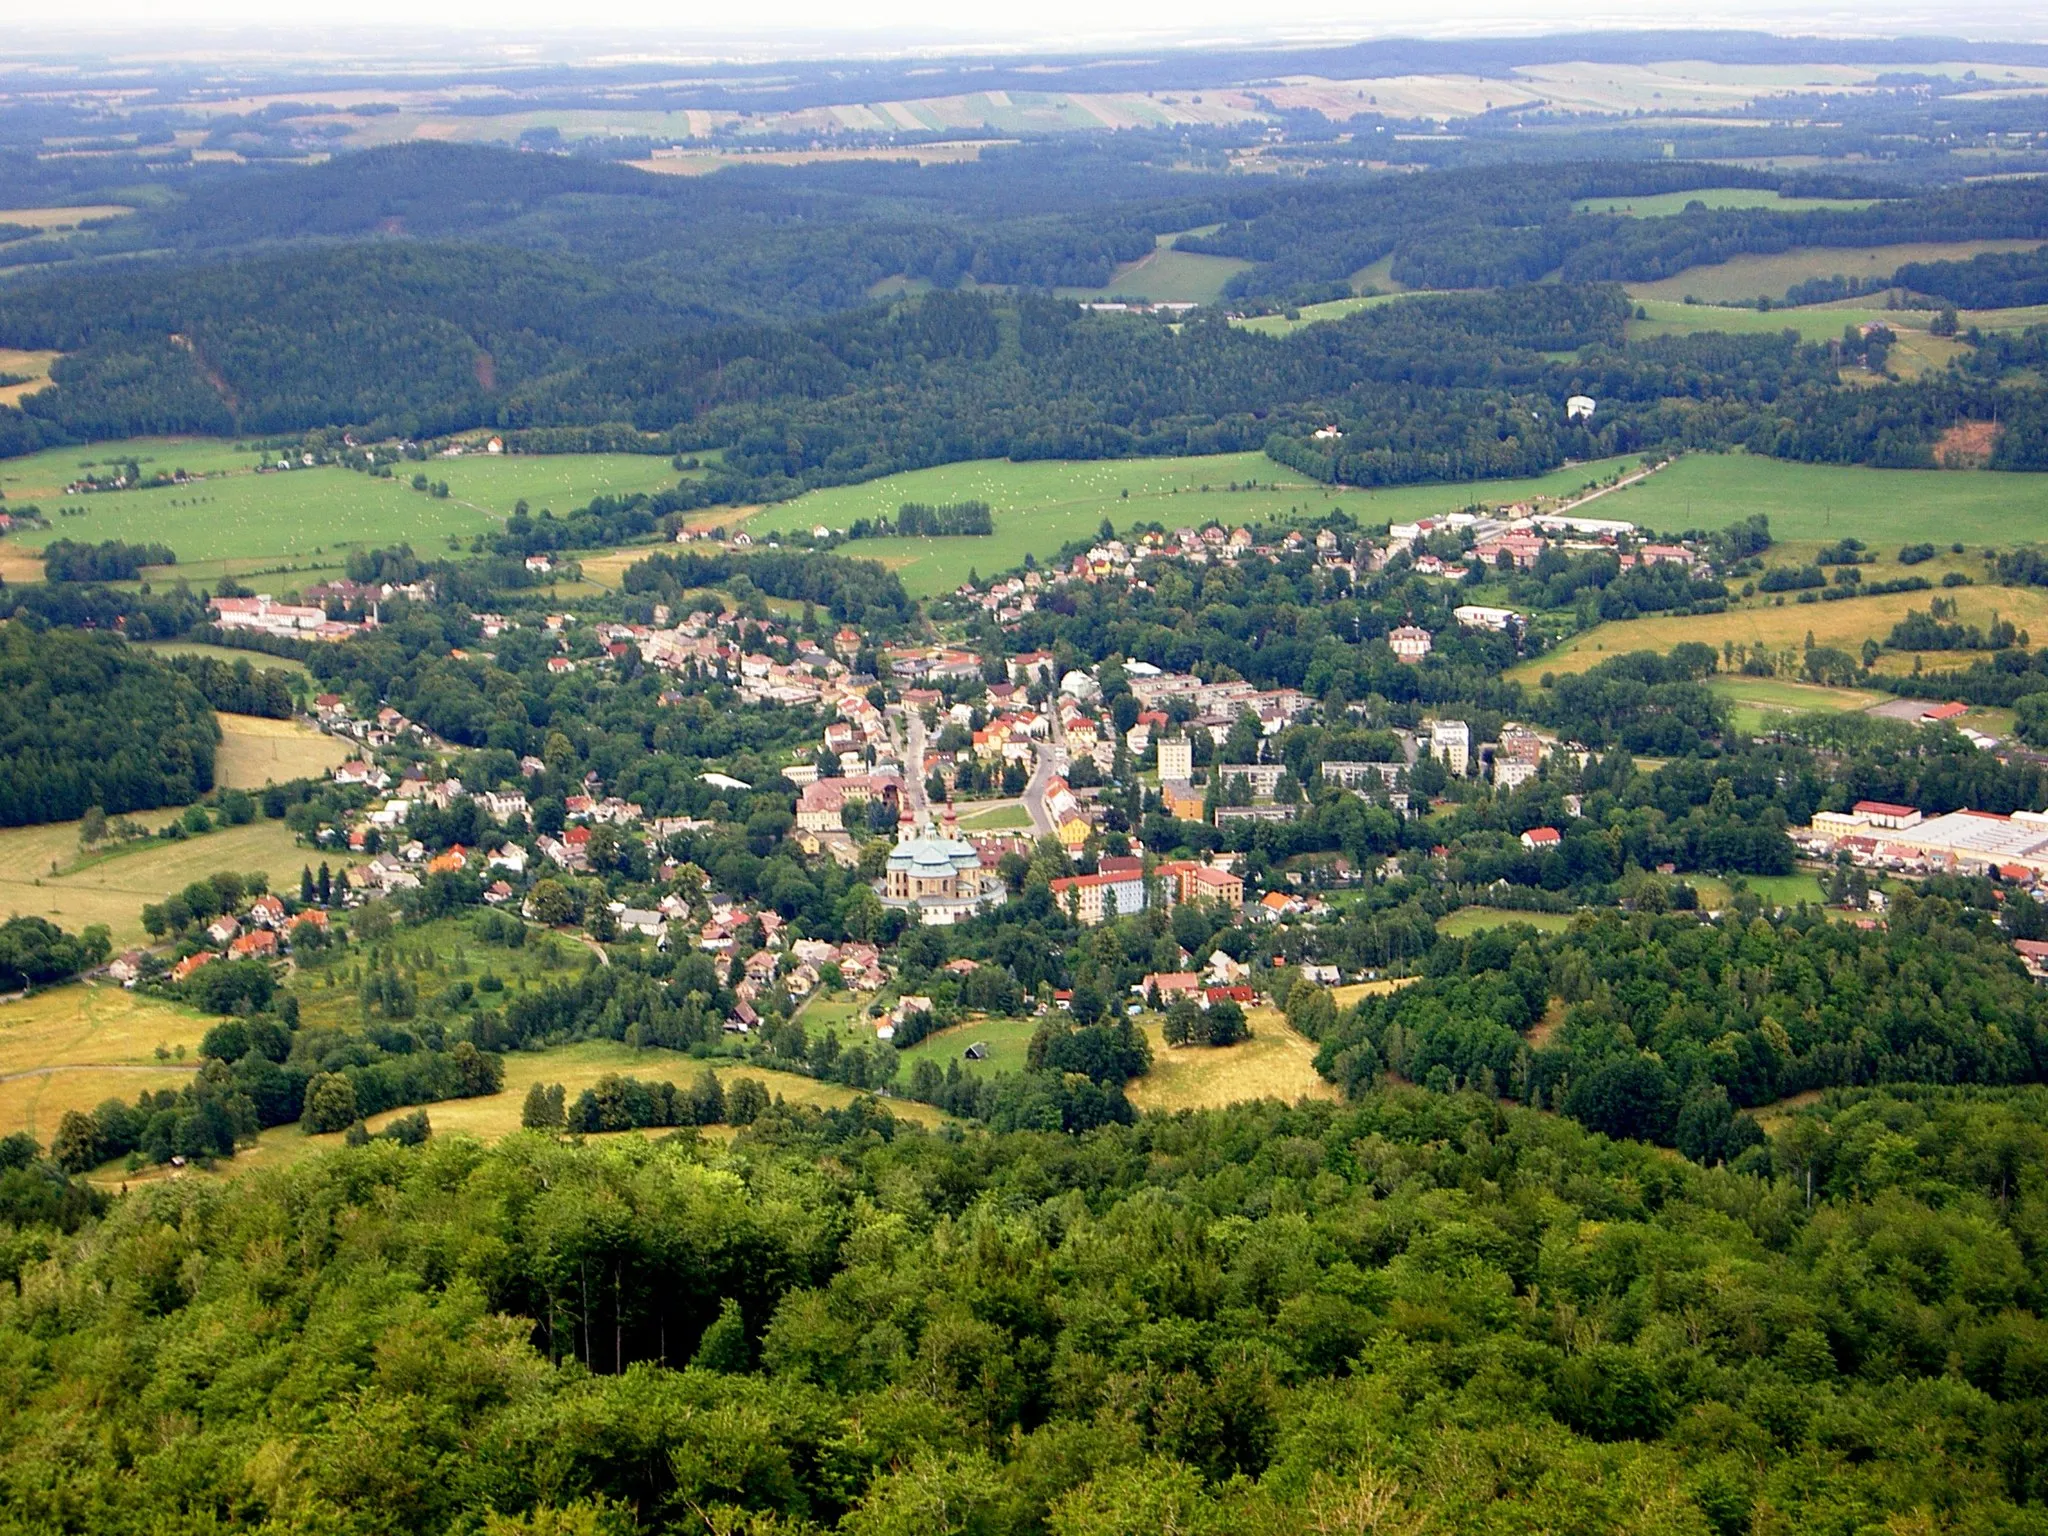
point(112, 560)
point(237, 687)
point(86, 721)
point(859, 592)
point(615, 1103)
point(916, 520)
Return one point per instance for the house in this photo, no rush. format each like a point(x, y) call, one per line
point(1172, 986)
point(257, 943)
point(1093, 899)
point(267, 912)
point(1541, 839)
point(127, 968)
point(1410, 643)
point(222, 929)
point(191, 963)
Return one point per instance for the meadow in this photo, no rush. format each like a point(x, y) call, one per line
point(1466, 921)
point(228, 654)
point(1755, 702)
point(1275, 1063)
point(76, 1046)
point(1007, 1040)
point(33, 368)
point(1043, 504)
point(1313, 314)
point(242, 520)
point(1166, 276)
point(255, 751)
point(1664, 204)
point(1754, 275)
point(42, 874)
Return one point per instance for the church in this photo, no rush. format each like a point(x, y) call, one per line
point(940, 878)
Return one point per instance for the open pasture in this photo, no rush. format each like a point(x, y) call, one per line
point(1166, 276)
point(255, 751)
point(1466, 921)
point(42, 874)
point(1755, 702)
point(1007, 1040)
point(1754, 275)
point(1043, 504)
point(1275, 1063)
point(1664, 204)
point(74, 1047)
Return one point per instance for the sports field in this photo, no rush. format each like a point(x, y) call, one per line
point(1275, 1063)
point(74, 1047)
point(113, 887)
point(302, 514)
point(1043, 504)
point(1754, 275)
point(1664, 204)
point(255, 751)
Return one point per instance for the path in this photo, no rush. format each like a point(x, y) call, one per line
point(594, 947)
point(99, 1066)
point(1622, 484)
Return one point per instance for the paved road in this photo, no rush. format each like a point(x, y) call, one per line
point(1034, 792)
point(913, 761)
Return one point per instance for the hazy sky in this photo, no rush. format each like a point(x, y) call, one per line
point(814, 26)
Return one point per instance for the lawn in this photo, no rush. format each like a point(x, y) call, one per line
point(1786, 890)
point(74, 1047)
point(1755, 701)
point(1166, 276)
point(1466, 921)
point(1844, 624)
point(255, 751)
point(1884, 507)
point(1664, 204)
point(296, 517)
point(1276, 1063)
point(1043, 504)
point(114, 888)
point(1754, 275)
point(1001, 818)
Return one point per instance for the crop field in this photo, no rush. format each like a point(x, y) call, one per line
point(1823, 502)
point(298, 516)
point(1166, 276)
point(255, 751)
point(1275, 1063)
point(1466, 921)
point(1755, 701)
point(1844, 624)
point(1756, 275)
point(47, 219)
point(113, 887)
point(73, 1047)
point(1043, 504)
point(1664, 204)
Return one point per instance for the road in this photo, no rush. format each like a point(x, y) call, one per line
point(1052, 760)
point(913, 763)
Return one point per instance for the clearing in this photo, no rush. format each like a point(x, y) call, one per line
point(1041, 505)
point(1276, 1063)
point(1008, 1042)
point(1756, 275)
point(76, 1046)
point(255, 751)
point(1664, 204)
point(41, 874)
point(32, 368)
point(1754, 701)
point(258, 660)
point(1466, 921)
point(1166, 276)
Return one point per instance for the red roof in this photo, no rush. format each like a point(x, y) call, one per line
point(1944, 711)
point(1542, 837)
point(1884, 808)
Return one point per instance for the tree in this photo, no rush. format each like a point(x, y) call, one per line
point(724, 1346)
point(747, 1100)
point(553, 904)
point(330, 1104)
point(544, 1107)
point(76, 1146)
point(92, 827)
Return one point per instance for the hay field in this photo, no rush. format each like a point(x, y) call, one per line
point(1041, 505)
point(34, 367)
point(1752, 275)
point(62, 218)
point(1276, 1063)
point(76, 1046)
point(1664, 204)
point(255, 751)
point(1166, 276)
point(114, 887)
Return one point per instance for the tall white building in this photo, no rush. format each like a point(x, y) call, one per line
point(1176, 760)
point(1451, 740)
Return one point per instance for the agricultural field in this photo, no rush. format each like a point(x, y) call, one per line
point(1665, 204)
point(74, 1047)
point(1275, 1063)
point(52, 219)
point(1313, 314)
point(1166, 276)
point(1466, 921)
point(1041, 505)
point(1754, 275)
point(42, 875)
point(255, 751)
point(1915, 352)
point(1756, 702)
point(243, 520)
point(32, 368)
point(1845, 625)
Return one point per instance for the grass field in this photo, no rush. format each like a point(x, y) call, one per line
point(1166, 276)
point(297, 517)
point(1845, 624)
point(1041, 505)
point(1755, 701)
point(1916, 351)
point(1007, 1040)
point(32, 367)
point(1664, 204)
point(1786, 890)
point(1756, 275)
point(228, 654)
point(75, 1047)
point(255, 751)
point(62, 218)
point(1275, 1063)
point(1312, 314)
point(1466, 921)
point(113, 888)
point(1002, 817)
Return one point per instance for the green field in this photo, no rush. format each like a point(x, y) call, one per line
point(1043, 504)
point(228, 654)
point(1311, 314)
point(255, 751)
point(296, 517)
point(75, 1047)
point(1166, 276)
point(1755, 702)
point(1002, 817)
point(1007, 1040)
point(1664, 204)
point(1786, 890)
point(1466, 921)
point(1756, 275)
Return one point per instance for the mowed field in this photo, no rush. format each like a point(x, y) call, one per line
point(112, 888)
point(1041, 505)
point(1884, 507)
point(1664, 204)
point(74, 1047)
point(1276, 1063)
point(255, 751)
point(1166, 276)
point(1844, 624)
point(242, 518)
point(1313, 314)
point(1755, 275)
point(1755, 702)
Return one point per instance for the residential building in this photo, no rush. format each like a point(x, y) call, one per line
point(1410, 643)
point(1176, 759)
point(1451, 740)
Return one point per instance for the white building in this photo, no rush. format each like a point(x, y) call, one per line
point(1476, 616)
point(1410, 643)
point(1176, 759)
point(1451, 740)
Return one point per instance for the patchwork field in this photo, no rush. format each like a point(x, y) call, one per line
point(1275, 1063)
point(75, 1047)
point(1753, 275)
point(1041, 505)
point(1166, 276)
point(298, 516)
point(1664, 204)
point(41, 874)
point(255, 751)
